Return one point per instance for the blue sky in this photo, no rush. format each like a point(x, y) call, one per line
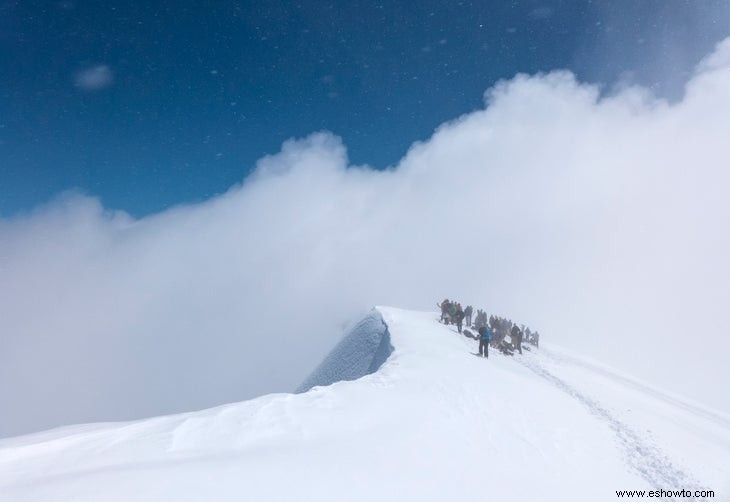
point(151, 104)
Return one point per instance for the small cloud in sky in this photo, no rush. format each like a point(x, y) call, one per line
point(94, 78)
point(541, 13)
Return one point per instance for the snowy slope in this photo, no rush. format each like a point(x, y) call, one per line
point(433, 422)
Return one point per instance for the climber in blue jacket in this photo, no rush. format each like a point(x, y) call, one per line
point(484, 336)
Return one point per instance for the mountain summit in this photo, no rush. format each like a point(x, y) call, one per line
point(400, 410)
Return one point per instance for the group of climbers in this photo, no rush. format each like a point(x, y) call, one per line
point(451, 312)
point(492, 331)
point(502, 327)
point(481, 319)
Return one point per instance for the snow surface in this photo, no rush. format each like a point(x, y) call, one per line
point(427, 421)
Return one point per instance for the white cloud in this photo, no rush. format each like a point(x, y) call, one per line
point(599, 221)
point(94, 78)
point(718, 60)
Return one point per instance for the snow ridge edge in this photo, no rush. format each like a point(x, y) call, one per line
point(361, 352)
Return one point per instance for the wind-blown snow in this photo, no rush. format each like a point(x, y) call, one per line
point(432, 423)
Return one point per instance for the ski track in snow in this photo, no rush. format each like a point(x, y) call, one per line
point(653, 465)
point(646, 459)
point(724, 421)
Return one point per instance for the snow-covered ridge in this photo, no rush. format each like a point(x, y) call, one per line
point(361, 352)
point(429, 421)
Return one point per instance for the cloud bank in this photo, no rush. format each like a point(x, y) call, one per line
point(600, 221)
